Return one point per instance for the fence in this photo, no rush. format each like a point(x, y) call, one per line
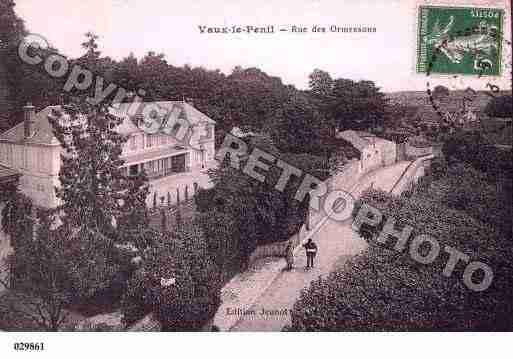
point(274, 249)
point(415, 152)
point(411, 174)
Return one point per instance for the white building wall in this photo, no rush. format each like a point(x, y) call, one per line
point(40, 166)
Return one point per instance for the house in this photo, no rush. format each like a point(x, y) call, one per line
point(173, 166)
point(374, 151)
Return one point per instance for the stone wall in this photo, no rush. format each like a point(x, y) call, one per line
point(411, 175)
point(389, 152)
point(274, 249)
point(415, 152)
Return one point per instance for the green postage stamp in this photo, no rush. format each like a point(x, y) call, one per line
point(459, 40)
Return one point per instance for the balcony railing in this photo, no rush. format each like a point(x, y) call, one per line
point(166, 172)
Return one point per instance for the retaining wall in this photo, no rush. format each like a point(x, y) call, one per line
point(414, 152)
point(274, 249)
point(411, 175)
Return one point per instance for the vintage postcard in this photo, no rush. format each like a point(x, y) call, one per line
point(241, 166)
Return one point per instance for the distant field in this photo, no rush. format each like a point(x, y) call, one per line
point(420, 98)
point(496, 130)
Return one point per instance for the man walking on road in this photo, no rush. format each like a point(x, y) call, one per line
point(311, 251)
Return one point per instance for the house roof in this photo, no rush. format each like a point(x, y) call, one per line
point(43, 133)
point(8, 175)
point(354, 138)
point(183, 109)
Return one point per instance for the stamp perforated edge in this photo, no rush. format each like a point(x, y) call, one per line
point(503, 5)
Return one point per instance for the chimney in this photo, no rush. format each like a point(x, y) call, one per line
point(190, 101)
point(139, 120)
point(29, 119)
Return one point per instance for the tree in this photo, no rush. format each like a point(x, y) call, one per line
point(321, 84)
point(163, 221)
point(154, 200)
point(93, 185)
point(38, 266)
point(91, 46)
point(21, 82)
point(256, 212)
point(135, 211)
point(96, 196)
point(223, 240)
point(12, 28)
point(16, 215)
point(299, 126)
point(178, 282)
point(252, 98)
point(178, 215)
point(356, 105)
point(500, 106)
point(440, 91)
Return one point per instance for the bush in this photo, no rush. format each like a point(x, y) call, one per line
point(94, 276)
point(499, 107)
point(439, 167)
point(223, 241)
point(440, 91)
point(179, 282)
point(204, 199)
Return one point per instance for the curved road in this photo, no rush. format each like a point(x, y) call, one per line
point(336, 242)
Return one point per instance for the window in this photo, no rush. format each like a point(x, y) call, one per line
point(3, 152)
point(24, 157)
point(40, 161)
point(133, 144)
point(208, 131)
point(149, 141)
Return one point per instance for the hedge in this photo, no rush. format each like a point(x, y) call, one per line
point(383, 290)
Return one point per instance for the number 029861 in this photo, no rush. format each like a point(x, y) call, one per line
point(22, 346)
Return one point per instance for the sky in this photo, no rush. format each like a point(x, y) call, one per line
point(386, 56)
